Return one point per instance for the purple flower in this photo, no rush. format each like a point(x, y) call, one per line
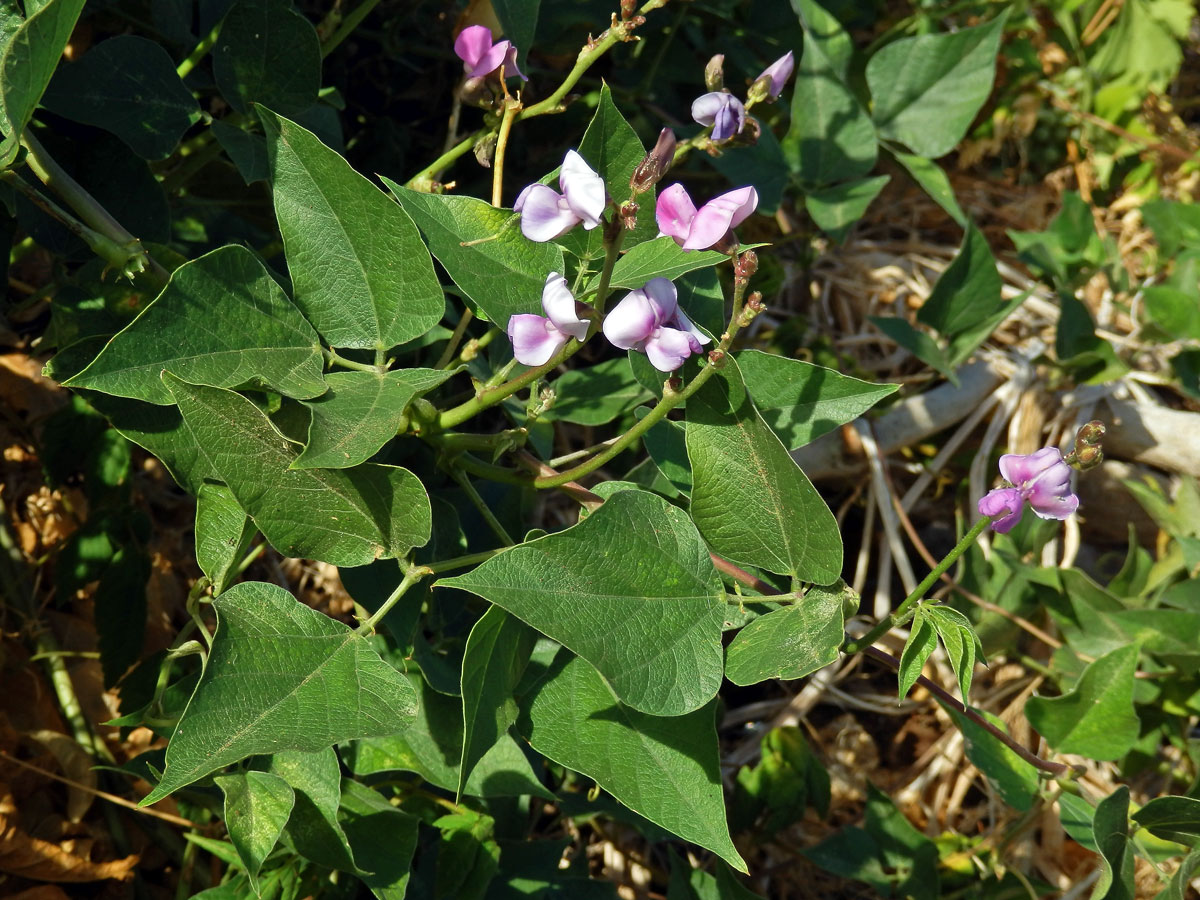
point(482, 57)
point(700, 229)
point(649, 320)
point(1041, 478)
point(537, 338)
point(777, 74)
point(546, 214)
point(724, 112)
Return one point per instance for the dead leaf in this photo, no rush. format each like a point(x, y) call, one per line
point(76, 764)
point(30, 857)
point(41, 892)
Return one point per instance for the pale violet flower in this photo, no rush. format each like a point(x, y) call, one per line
point(699, 229)
point(724, 112)
point(481, 56)
point(547, 214)
point(649, 320)
point(777, 74)
point(537, 338)
point(1042, 479)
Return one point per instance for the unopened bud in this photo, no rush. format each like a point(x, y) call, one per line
point(628, 214)
point(714, 73)
point(746, 266)
point(1090, 434)
point(1088, 458)
point(672, 385)
point(478, 92)
point(716, 358)
point(485, 149)
point(655, 164)
point(627, 8)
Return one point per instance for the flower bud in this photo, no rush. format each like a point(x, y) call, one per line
point(628, 214)
point(714, 73)
point(1088, 458)
point(478, 92)
point(1090, 434)
point(627, 9)
point(745, 266)
point(655, 164)
point(485, 150)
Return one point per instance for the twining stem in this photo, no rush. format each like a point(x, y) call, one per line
point(1053, 768)
point(464, 482)
point(99, 219)
point(620, 31)
point(347, 27)
point(412, 574)
point(199, 52)
point(461, 562)
point(511, 108)
point(449, 418)
point(455, 339)
point(885, 624)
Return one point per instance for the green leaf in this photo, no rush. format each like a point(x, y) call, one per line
point(360, 271)
point(1096, 718)
point(27, 62)
point(918, 343)
point(120, 612)
point(831, 138)
point(159, 430)
point(927, 89)
point(347, 517)
point(750, 500)
point(127, 85)
point(223, 534)
point(1015, 780)
point(631, 589)
point(667, 770)
point(220, 321)
point(1111, 831)
point(932, 177)
point(823, 28)
point(1171, 818)
point(597, 394)
point(922, 640)
point(852, 853)
point(790, 642)
point(660, 258)
point(613, 150)
point(1174, 311)
point(802, 401)
point(518, 21)
point(257, 806)
point(667, 446)
point(968, 292)
point(360, 413)
point(960, 641)
point(836, 208)
point(503, 274)
point(382, 838)
point(762, 165)
point(1177, 889)
point(313, 831)
point(495, 658)
point(908, 855)
point(432, 747)
point(281, 676)
point(267, 53)
point(248, 151)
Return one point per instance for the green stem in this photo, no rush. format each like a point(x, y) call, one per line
point(423, 180)
point(412, 574)
point(99, 219)
point(885, 624)
point(456, 442)
point(511, 108)
point(348, 25)
point(455, 339)
point(464, 481)
point(461, 562)
point(490, 397)
point(333, 359)
point(201, 50)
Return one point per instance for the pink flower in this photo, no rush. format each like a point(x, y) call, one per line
point(777, 74)
point(700, 229)
point(1041, 478)
point(546, 214)
point(650, 321)
point(482, 57)
point(537, 338)
point(724, 112)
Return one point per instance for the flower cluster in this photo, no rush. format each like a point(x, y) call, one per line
point(648, 320)
point(725, 112)
point(1041, 479)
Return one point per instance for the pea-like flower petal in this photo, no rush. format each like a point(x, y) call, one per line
point(718, 216)
point(1042, 479)
point(632, 321)
point(674, 212)
point(559, 304)
point(534, 339)
point(668, 348)
point(649, 320)
point(545, 213)
point(481, 56)
point(724, 112)
point(778, 73)
point(583, 190)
